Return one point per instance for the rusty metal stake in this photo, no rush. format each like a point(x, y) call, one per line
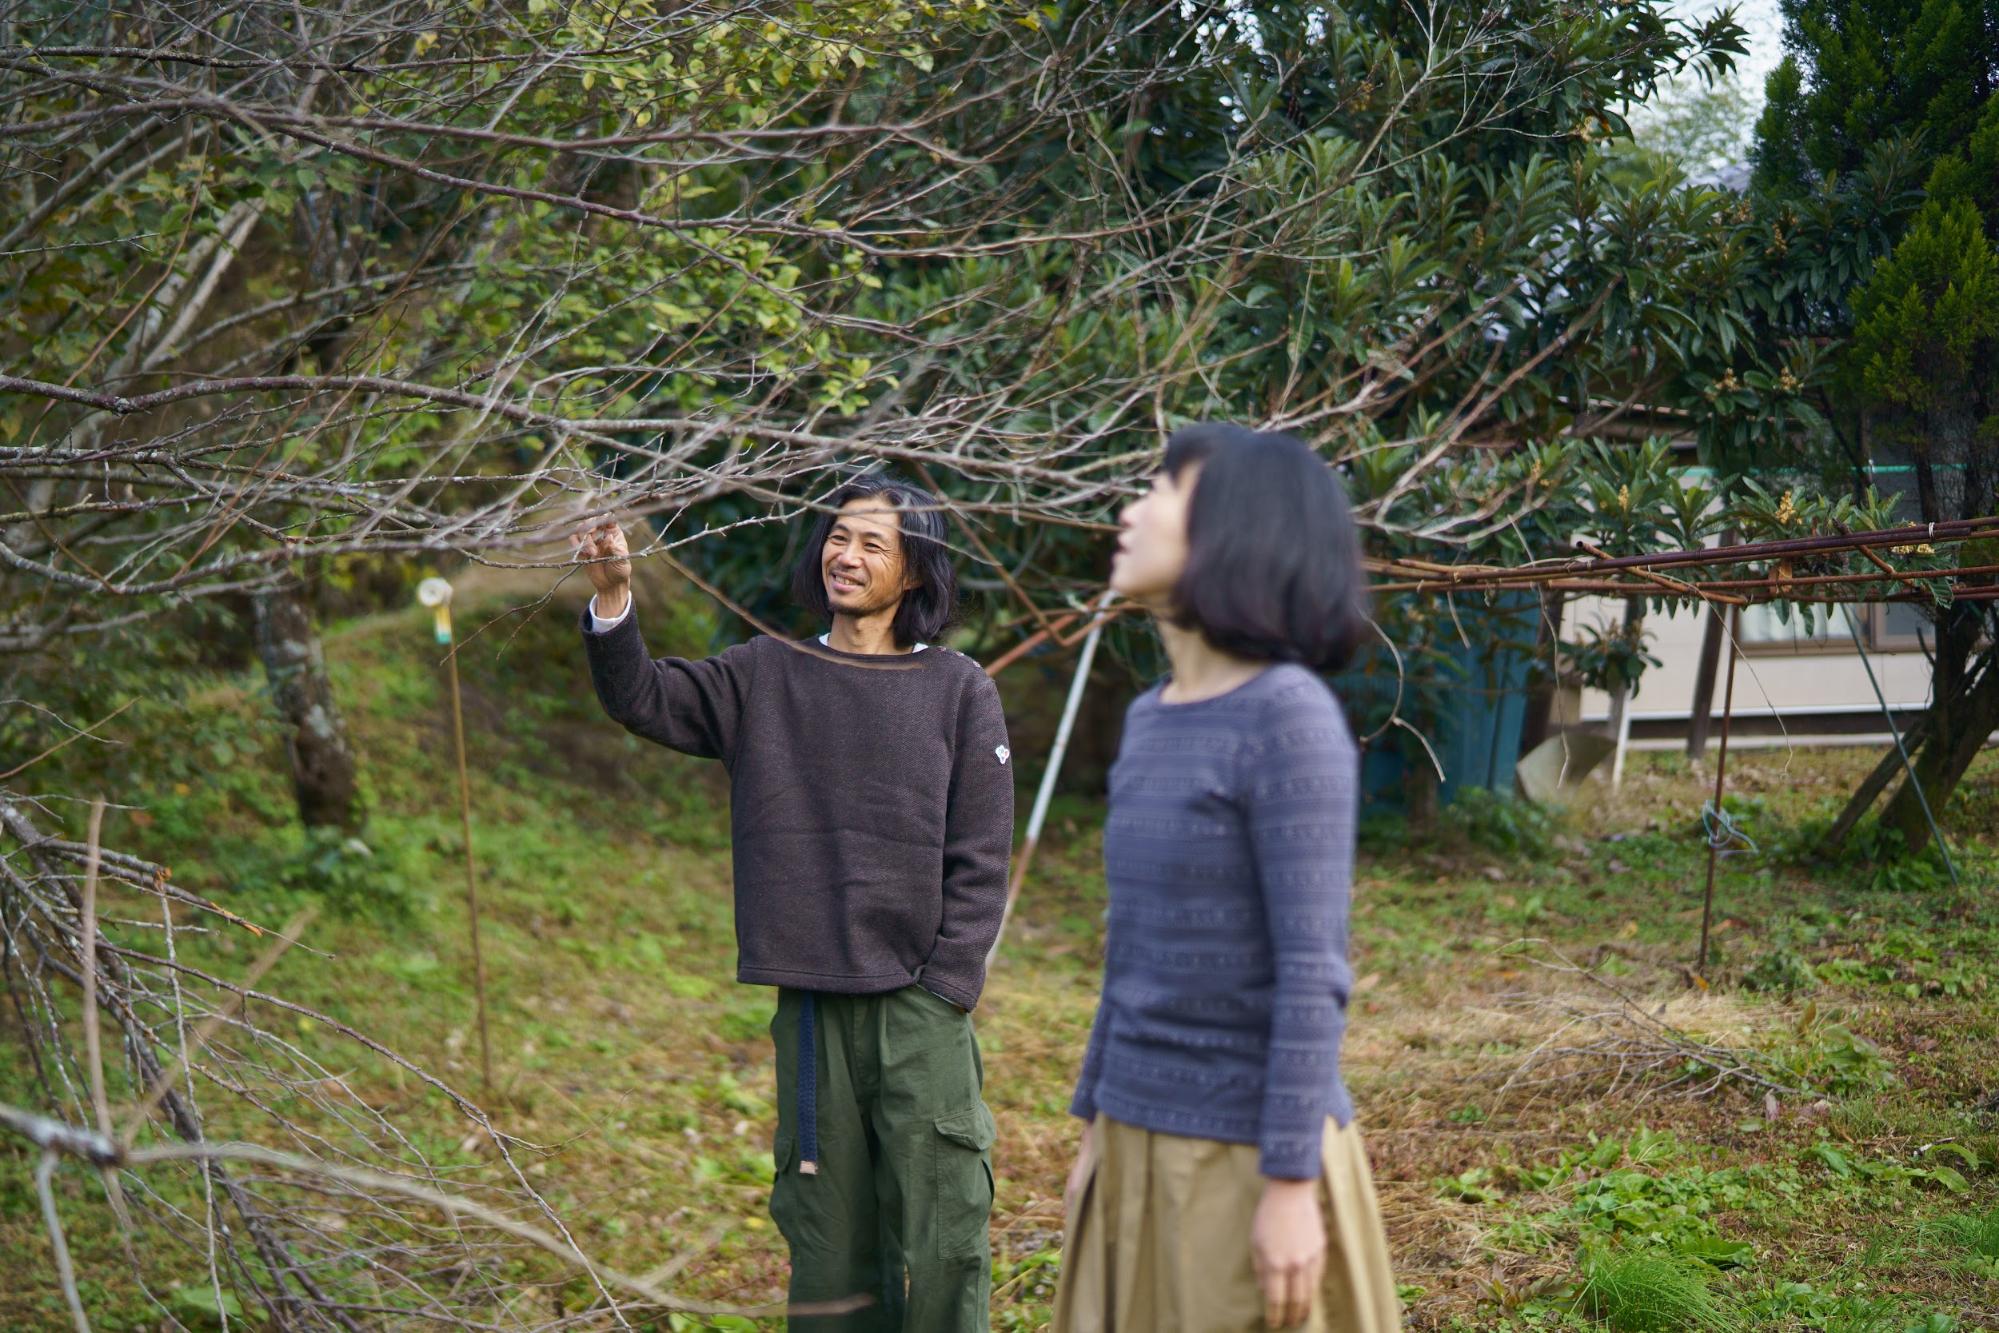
point(436, 594)
point(1733, 624)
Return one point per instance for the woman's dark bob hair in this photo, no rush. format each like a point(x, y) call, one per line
point(928, 609)
point(1273, 557)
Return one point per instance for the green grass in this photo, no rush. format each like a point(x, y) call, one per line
point(1974, 1240)
point(1647, 1292)
point(623, 1048)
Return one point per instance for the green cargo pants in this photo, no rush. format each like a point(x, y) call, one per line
point(897, 1209)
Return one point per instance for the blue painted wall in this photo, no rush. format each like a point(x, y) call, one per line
point(1480, 697)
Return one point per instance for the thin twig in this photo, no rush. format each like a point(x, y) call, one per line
point(208, 1027)
point(65, 1270)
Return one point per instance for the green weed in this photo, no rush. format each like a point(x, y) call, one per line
point(1848, 1165)
point(1645, 1291)
point(1494, 822)
point(1872, 856)
point(1795, 1304)
point(1819, 1052)
point(1636, 1190)
point(1780, 969)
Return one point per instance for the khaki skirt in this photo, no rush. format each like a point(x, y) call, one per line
point(1158, 1241)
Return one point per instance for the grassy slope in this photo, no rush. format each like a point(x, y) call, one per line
point(620, 1040)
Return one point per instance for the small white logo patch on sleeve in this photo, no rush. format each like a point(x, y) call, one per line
point(1003, 753)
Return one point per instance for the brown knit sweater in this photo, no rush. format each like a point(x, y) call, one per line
point(871, 802)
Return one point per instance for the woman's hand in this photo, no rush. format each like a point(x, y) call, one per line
point(1079, 1174)
point(1288, 1242)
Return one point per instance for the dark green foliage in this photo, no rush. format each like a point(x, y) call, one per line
point(1862, 71)
point(1610, 658)
point(1925, 319)
point(1875, 97)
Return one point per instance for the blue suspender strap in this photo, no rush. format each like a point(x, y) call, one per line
point(808, 1087)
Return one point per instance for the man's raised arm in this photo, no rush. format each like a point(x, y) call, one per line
point(691, 706)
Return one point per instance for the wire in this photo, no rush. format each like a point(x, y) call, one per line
point(1723, 833)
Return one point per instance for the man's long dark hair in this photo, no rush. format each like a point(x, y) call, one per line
point(928, 609)
point(1273, 554)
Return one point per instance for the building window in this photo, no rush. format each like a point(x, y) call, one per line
point(1887, 627)
point(1899, 627)
point(1801, 629)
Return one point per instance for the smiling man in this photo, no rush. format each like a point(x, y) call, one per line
point(871, 819)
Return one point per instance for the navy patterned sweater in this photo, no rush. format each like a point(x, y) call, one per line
point(1229, 855)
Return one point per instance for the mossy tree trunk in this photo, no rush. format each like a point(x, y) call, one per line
point(322, 760)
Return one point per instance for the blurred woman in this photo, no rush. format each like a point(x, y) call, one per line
point(1220, 1184)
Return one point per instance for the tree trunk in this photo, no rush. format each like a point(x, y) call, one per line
point(1701, 719)
point(1419, 790)
point(1965, 696)
point(316, 740)
point(1875, 783)
point(1963, 724)
point(1620, 697)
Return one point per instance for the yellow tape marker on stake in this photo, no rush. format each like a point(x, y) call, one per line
point(436, 594)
